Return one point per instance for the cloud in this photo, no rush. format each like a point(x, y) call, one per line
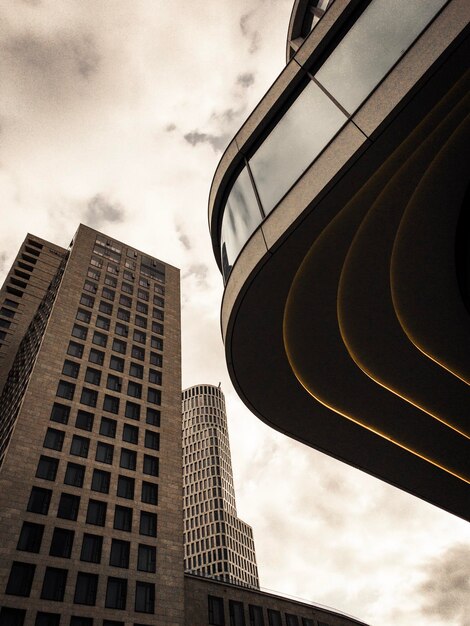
point(446, 591)
point(253, 36)
point(218, 142)
point(100, 211)
point(170, 127)
point(199, 271)
point(246, 79)
point(183, 238)
point(3, 259)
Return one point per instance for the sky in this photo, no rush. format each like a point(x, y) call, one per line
point(115, 113)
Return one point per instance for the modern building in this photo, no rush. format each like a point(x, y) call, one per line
point(217, 544)
point(339, 220)
point(90, 480)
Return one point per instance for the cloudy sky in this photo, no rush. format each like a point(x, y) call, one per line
point(115, 113)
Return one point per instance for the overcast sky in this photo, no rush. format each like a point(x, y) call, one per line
point(115, 113)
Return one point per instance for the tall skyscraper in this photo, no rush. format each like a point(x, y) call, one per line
point(217, 543)
point(90, 440)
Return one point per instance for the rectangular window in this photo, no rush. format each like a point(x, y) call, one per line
point(215, 607)
point(116, 363)
point(71, 369)
point(80, 446)
point(87, 300)
point(65, 390)
point(136, 370)
point(96, 356)
point(134, 389)
point(156, 343)
point(96, 513)
point(141, 321)
point(125, 487)
point(119, 554)
point(45, 619)
point(124, 315)
point(148, 524)
point(80, 332)
point(146, 560)
point(130, 434)
point(104, 452)
point(62, 543)
point(86, 588)
point(142, 307)
point(157, 314)
point(152, 440)
point(100, 481)
point(153, 417)
point(68, 506)
point(89, 397)
point(111, 404)
point(91, 548)
point(292, 620)
point(84, 420)
point(256, 615)
point(306, 621)
point(121, 329)
point(21, 579)
point(155, 377)
point(54, 439)
point(116, 593)
point(74, 475)
point(144, 597)
point(53, 586)
point(114, 383)
point(126, 288)
point(108, 294)
point(156, 359)
point(110, 280)
point(138, 353)
point(102, 322)
point(143, 295)
point(90, 286)
point(119, 346)
point(106, 308)
point(100, 339)
point(154, 396)
point(96, 262)
point(139, 336)
point(159, 301)
point(108, 427)
point(274, 618)
point(81, 621)
point(125, 301)
point(237, 613)
point(93, 274)
point(123, 518)
point(150, 465)
point(157, 328)
point(47, 468)
point(128, 459)
point(92, 376)
point(30, 537)
point(132, 410)
point(149, 493)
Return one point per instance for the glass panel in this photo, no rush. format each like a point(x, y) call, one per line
point(241, 217)
point(300, 135)
point(380, 36)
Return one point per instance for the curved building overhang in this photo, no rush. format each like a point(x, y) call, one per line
point(343, 318)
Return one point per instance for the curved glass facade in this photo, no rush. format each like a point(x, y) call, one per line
point(366, 53)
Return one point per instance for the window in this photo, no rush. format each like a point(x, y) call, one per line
point(256, 615)
point(91, 548)
point(130, 433)
point(134, 389)
point(216, 611)
point(119, 554)
point(47, 468)
point(100, 481)
point(106, 308)
point(114, 383)
point(96, 262)
point(124, 315)
point(128, 275)
point(53, 585)
point(126, 288)
point(156, 359)
point(125, 301)
point(5, 323)
point(104, 452)
point(74, 475)
point(153, 417)
point(87, 300)
point(157, 314)
point(100, 339)
point(80, 446)
point(274, 618)
point(143, 295)
point(54, 439)
point(80, 332)
point(144, 597)
point(93, 376)
point(89, 397)
point(155, 377)
point(141, 321)
point(138, 353)
point(149, 493)
point(30, 537)
point(119, 346)
point(142, 307)
point(136, 370)
point(96, 513)
point(94, 274)
point(128, 459)
point(146, 560)
point(84, 420)
point(85, 589)
point(122, 329)
point(96, 356)
point(71, 369)
point(123, 518)
point(90, 286)
point(237, 613)
point(116, 593)
point(102, 322)
point(125, 487)
point(140, 336)
point(306, 621)
point(292, 620)
point(47, 619)
point(158, 300)
point(21, 579)
point(68, 506)
point(154, 396)
point(150, 465)
point(108, 294)
point(132, 410)
point(157, 328)
point(152, 440)
point(76, 620)
point(65, 390)
point(62, 542)
point(110, 280)
point(148, 524)
point(116, 363)
point(39, 500)
point(111, 404)
point(108, 428)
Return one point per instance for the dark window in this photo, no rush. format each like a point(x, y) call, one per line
point(125, 487)
point(143, 295)
point(108, 427)
point(124, 315)
point(152, 440)
point(138, 353)
point(157, 314)
point(306, 621)
point(80, 332)
point(60, 413)
point(102, 322)
point(141, 321)
point(62, 542)
point(21, 579)
point(127, 288)
point(111, 404)
point(84, 420)
point(116, 363)
point(156, 359)
point(90, 286)
point(154, 396)
point(144, 597)
point(86, 588)
point(80, 446)
point(100, 481)
point(159, 301)
point(132, 410)
point(122, 329)
point(87, 300)
point(157, 328)
point(54, 439)
point(150, 465)
point(292, 620)
point(81, 621)
point(68, 506)
point(5, 323)
point(53, 585)
point(104, 452)
point(93, 376)
point(128, 275)
point(128, 459)
point(12, 303)
point(134, 389)
point(140, 336)
point(71, 369)
point(96, 356)
point(30, 537)
point(94, 274)
point(91, 548)
point(156, 343)
point(116, 593)
point(47, 619)
point(84, 316)
point(155, 377)
point(96, 513)
point(110, 280)
point(123, 518)
point(119, 555)
point(119, 346)
point(125, 301)
point(237, 613)
point(216, 611)
point(106, 308)
point(65, 390)
point(256, 615)
point(142, 307)
point(130, 433)
point(114, 382)
point(136, 370)
point(149, 493)
point(74, 475)
point(146, 561)
point(12, 617)
point(112, 622)
point(47, 468)
point(274, 618)
point(153, 417)
point(109, 294)
point(148, 524)
point(89, 397)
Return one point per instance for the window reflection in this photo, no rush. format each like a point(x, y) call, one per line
point(376, 41)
